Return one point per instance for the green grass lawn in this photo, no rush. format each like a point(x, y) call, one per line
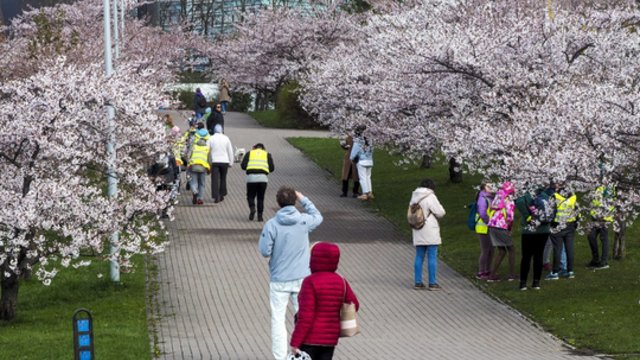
point(597, 311)
point(43, 327)
point(271, 119)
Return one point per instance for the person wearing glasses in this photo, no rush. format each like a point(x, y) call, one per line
point(216, 118)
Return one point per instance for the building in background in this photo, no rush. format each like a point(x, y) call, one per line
point(210, 18)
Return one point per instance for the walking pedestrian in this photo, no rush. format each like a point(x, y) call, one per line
point(362, 156)
point(285, 241)
point(258, 164)
point(427, 239)
point(199, 103)
point(221, 158)
point(483, 202)
point(501, 220)
point(322, 294)
point(215, 118)
point(349, 169)
point(199, 165)
point(225, 98)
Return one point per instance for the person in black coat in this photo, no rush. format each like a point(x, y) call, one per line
point(215, 118)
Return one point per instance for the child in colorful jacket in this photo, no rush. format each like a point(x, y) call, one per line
point(502, 213)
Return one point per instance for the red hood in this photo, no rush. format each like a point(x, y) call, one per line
point(324, 257)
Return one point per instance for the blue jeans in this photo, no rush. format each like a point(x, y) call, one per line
point(197, 183)
point(432, 263)
point(548, 248)
point(224, 105)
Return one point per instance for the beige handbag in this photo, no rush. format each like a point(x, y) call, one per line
point(348, 321)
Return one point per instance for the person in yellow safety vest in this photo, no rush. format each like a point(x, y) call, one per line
point(602, 214)
point(564, 232)
point(483, 202)
point(198, 165)
point(258, 164)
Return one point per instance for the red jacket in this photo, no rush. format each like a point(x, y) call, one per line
point(320, 299)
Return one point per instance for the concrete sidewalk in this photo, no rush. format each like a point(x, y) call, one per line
point(214, 283)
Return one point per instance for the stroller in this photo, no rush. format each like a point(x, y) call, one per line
point(166, 175)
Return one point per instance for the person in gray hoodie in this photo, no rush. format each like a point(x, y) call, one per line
point(285, 241)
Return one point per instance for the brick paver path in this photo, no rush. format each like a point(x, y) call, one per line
point(214, 283)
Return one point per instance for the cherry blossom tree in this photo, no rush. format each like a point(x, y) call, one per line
point(275, 45)
point(523, 91)
point(53, 157)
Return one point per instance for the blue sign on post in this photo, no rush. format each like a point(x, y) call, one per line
point(83, 335)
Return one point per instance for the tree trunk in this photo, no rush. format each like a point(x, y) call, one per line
point(455, 171)
point(619, 247)
point(9, 298)
point(427, 161)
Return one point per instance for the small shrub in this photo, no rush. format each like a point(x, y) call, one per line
point(240, 102)
point(185, 97)
point(289, 109)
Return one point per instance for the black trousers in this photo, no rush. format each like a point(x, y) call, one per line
point(256, 190)
point(565, 236)
point(532, 248)
point(593, 243)
point(318, 352)
point(219, 180)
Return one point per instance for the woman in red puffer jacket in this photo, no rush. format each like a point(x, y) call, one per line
point(320, 299)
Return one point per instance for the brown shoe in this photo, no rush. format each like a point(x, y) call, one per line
point(434, 287)
point(370, 195)
point(363, 197)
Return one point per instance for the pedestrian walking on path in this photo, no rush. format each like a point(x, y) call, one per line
point(427, 239)
point(322, 294)
point(285, 241)
point(199, 103)
point(258, 164)
point(215, 118)
point(199, 165)
point(221, 158)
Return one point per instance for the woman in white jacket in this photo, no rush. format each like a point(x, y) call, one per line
point(427, 239)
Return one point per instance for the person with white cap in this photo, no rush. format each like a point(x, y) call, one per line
point(221, 157)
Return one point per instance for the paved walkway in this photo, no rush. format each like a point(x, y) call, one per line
point(214, 282)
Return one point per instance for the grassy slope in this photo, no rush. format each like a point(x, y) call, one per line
point(596, 310)
point(43, 328)
point(271, 119)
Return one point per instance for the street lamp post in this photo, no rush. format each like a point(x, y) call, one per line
point(115, 28)
point(114, 267)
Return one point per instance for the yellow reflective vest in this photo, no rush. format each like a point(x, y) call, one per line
point(597, 203)
point(200, 155)
point(258, 160)
point(565, 208)
point(481, 226)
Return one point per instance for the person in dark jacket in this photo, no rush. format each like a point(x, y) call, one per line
point(199, 103)
point(534, 236)
point(215, 118)
point(321, 296)
point(258, 163)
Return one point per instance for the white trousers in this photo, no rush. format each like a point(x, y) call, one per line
point(279, 294)
point(364, 172)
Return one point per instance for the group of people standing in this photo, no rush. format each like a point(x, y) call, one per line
point(548, 219)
